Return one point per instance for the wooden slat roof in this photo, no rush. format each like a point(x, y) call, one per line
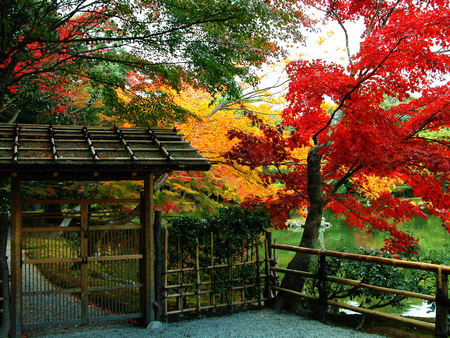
point(41, 150)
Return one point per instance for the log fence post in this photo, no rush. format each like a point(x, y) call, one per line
point(230, 281)
point(258, 273)
point(322, 277)
point(267, 261)
point(442, 304)
point(212, 299)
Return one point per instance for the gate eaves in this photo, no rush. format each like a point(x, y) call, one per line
point(43, 152)
point(54, 152)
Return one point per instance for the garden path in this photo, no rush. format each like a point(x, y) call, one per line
point(52, 305)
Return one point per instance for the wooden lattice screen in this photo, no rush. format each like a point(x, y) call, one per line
point(198, 281)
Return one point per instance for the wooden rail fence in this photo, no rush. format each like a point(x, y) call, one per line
point(440, 326)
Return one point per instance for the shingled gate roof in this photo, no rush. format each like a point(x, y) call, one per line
point(38, 151)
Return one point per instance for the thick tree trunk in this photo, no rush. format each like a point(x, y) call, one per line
point(310, 233)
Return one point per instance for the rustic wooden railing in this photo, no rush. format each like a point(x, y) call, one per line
point(440, 326)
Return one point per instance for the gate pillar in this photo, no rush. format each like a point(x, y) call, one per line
point(148, 268)
point(16, 259)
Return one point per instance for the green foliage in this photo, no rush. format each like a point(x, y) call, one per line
point(380, 275)
point(231, 226)
point(212, 44)
point(235, 231)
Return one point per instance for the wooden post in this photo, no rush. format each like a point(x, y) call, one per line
point(274, 263)
point(149, 251)
point(212, 298)
point(84, 264)
point(322, 309)
point(441, 328)
point(16, 259)
point(180, 277)
point(258, 273)
point(230, 282)
point(166, 263)
point(267, 259)
point(158, 266)
point(197, 277)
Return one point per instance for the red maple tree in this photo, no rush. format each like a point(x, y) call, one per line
point(403, 56)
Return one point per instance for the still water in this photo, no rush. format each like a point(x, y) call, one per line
point(338, 236)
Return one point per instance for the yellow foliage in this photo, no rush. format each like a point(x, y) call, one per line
point(373, 186)
point(209, 136)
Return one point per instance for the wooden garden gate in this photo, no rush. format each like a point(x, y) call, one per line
point(80, 264)
point(82, 269)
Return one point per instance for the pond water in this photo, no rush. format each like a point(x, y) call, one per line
point(431, 234)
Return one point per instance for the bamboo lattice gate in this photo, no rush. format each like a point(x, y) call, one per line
point(78, 268)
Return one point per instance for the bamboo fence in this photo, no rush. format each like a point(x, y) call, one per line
point(440, 326)
point(197, 281)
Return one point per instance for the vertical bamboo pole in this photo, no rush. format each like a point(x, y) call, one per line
point(258, 273)
point(84, 264)
point(212, 295)
point(166, 258)
point(158, 266)
point(149, 251)
point(230, 282)
point(16, 259)
point(197, 276)
point(442, 311)
point(322, 309)
point(244, 260)
point(141, 261)
point(274, 262)
point(180, 276)
point(268, 289)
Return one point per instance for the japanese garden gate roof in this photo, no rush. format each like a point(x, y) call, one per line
point(38, 151)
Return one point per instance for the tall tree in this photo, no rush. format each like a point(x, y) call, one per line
point(207, 44)
point(404, 55)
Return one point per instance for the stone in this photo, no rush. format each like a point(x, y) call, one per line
point(155, 326)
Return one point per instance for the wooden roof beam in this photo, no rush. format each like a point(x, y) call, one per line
point(87, 138)
point(51, 135)
point(159, 144)
point(124, 142)
point(15, 149)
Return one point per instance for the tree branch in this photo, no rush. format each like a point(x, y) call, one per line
point(358, 84)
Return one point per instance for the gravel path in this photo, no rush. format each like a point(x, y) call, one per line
point(265, 323)
point(50, 307)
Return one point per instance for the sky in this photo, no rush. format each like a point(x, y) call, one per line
point(327, 44)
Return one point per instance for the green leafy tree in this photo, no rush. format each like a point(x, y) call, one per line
point(208, 44)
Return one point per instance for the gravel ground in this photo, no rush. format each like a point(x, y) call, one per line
point(265, 323)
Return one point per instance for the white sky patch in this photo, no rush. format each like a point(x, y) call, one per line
point(327, 44)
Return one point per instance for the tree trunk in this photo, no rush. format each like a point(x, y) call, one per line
point(310, 233)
